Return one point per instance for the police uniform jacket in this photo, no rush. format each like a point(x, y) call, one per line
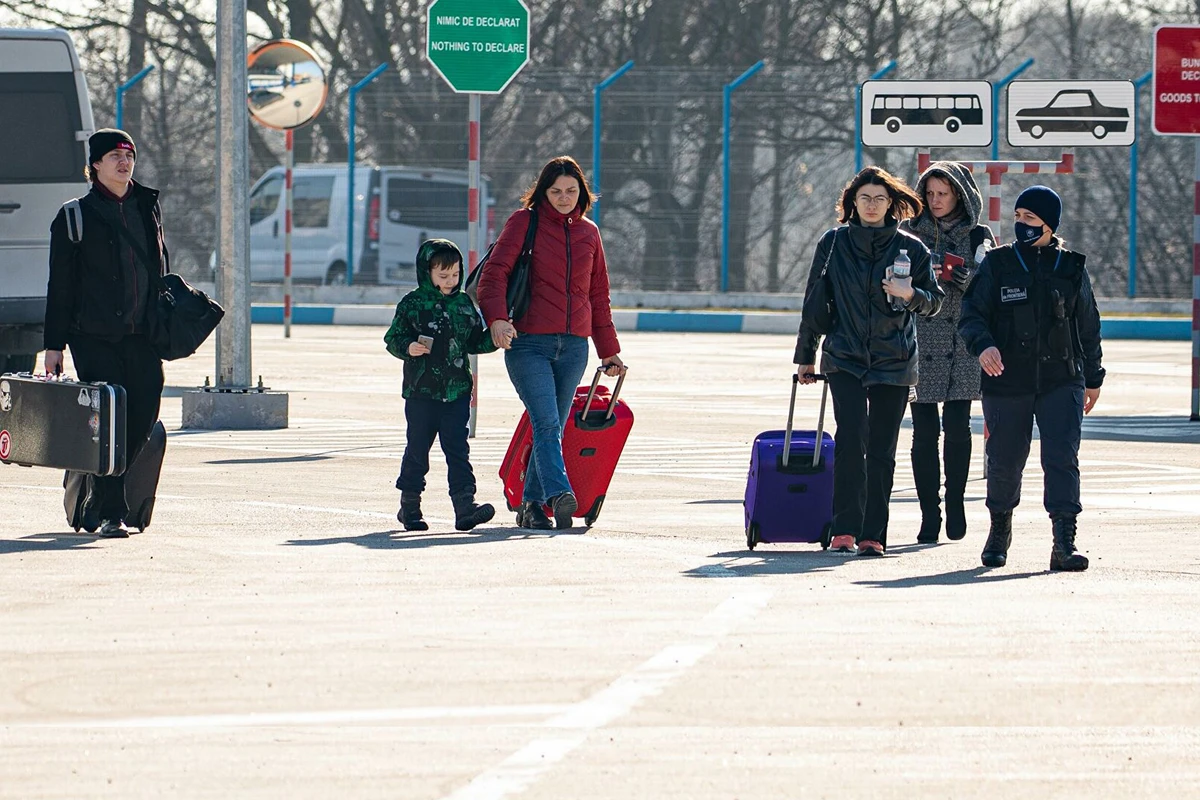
point(1035, 304)
point(869, 339)
point(100, 287)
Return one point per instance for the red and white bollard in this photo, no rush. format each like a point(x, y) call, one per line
point(1195, 417)
point(289, 165)
point(473, 244)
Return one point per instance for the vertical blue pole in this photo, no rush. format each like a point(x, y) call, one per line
point(1133, 188)
point(725, 119)
point(350, 159)
point(596, 126)
point(858, 148)
point(125, 87)
point(996, 87)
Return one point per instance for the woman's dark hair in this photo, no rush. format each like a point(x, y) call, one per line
point(904, 201)
point(555, 169)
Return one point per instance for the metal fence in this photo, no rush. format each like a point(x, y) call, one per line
point(791, 150)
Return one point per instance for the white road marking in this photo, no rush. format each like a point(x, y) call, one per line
point(281, 719)
point(517, 772)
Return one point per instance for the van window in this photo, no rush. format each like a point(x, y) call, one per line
point(265, 199)
point(41, 115)
point(310, 202)
point(427, 204)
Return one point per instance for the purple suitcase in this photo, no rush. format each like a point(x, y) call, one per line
point(789, 493)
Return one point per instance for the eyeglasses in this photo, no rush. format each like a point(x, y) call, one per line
point(866, 200)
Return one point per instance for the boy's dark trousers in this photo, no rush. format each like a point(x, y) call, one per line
point(130, 363)
point(429, 419)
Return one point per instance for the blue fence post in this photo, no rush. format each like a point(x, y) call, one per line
point(1133, 187)
point(350, 159)
point(858, 148)
point(996, 87)
point(725, 120)
point(598, 90)
point(125, 87)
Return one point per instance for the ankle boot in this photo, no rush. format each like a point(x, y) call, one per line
point(926, 477)
point(410, 512)
point(957, 458)
point(1064, 557)
point(532, 516)
point(995, 549)
point(468, 514)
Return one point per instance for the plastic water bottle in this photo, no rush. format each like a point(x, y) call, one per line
point(901, 268)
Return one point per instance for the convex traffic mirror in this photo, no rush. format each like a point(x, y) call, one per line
point(287, 84)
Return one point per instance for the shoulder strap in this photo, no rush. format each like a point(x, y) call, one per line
point(829, 255)
point(530, 232)
point(978, 236)
point(74, 220)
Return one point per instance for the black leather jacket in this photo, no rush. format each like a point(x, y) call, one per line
point(98, 288)
point(870, 339)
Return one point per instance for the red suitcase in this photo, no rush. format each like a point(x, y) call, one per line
point(592, 445)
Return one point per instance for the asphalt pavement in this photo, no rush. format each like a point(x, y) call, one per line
point(276, 634)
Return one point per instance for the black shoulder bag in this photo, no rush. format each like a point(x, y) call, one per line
point(817, 311)
point(183, 317)
point(518, 293)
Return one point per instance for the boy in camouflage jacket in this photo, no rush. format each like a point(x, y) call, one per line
point(437, 381)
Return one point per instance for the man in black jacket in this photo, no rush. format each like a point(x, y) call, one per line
point(1030, 317)
point(101, 297)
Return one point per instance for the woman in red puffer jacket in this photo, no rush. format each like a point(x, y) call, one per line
point(546, 349)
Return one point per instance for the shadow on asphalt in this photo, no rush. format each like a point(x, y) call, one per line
point(960, 577)
point(278, 460)
point(747, 564)
point(405, 540)
point(46, 542)
point(734, 502)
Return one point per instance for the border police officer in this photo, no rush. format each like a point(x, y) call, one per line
point(1031, 319)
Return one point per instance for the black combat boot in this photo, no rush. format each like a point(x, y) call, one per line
point(533, 517)
point(410, 512)
point(926, 477)
point(1064, 557)
point(468, 514)
point(958, 465)
point(995, 549)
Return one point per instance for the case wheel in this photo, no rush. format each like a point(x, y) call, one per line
point(593, 514)
point(827, 536)
point(752, 535)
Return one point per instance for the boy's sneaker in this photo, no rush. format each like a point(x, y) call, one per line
point(843, 544)
point(870, 547)
point(410, 515)
point(563, 507)
point(112, 529)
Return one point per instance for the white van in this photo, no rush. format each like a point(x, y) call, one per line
point(396, 208)
point(47, 122)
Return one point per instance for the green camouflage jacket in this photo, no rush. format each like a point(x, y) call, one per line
point(457, 330)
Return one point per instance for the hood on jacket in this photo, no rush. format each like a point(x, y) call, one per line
point(964, 185)
point(431, 248)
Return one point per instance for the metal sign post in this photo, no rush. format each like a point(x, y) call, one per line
point(289, 165)
point(1177, 113)
point(473, 243)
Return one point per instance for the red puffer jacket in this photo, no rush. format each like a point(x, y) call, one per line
point(569, 291)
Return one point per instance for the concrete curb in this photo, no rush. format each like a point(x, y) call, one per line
point(1154, 328)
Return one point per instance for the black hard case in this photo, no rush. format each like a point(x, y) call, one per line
point(62, 424)
point(141, 486)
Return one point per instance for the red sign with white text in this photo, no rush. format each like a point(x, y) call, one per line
point(1177, 80)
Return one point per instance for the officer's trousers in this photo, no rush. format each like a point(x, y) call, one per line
point(1059, 414)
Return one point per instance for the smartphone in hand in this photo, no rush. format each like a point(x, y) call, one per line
point(426, 341)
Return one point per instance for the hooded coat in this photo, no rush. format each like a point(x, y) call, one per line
point(453, 322)
point(948, 370)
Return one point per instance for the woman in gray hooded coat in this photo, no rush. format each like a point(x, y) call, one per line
point(949, 226)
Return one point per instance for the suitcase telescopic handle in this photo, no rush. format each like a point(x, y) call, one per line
point(612, 400)
point(787, 438)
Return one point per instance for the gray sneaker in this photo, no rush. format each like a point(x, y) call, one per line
point(112, 529)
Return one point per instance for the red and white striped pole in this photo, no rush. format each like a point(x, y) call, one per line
point(473, 248)
point(289, 165)
point(1196, 293)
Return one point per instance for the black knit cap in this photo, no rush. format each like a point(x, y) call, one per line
point(105, 140)
point(1043, 201)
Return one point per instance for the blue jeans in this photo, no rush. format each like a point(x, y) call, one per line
point(545, 368)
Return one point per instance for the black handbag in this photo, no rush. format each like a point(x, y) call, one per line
point(817, 312)
point(183, 316)
point(517, 295)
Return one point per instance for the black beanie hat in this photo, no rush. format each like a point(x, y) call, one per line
point(105, 140)
point(1043, 201)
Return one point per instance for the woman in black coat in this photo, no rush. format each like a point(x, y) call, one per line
point(870, 348)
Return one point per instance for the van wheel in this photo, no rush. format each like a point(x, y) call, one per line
point(336, 275)
point(18, 363)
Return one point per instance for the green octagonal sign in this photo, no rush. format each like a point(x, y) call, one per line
point(478, 46)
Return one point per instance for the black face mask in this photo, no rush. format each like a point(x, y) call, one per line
point(1027, 234)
